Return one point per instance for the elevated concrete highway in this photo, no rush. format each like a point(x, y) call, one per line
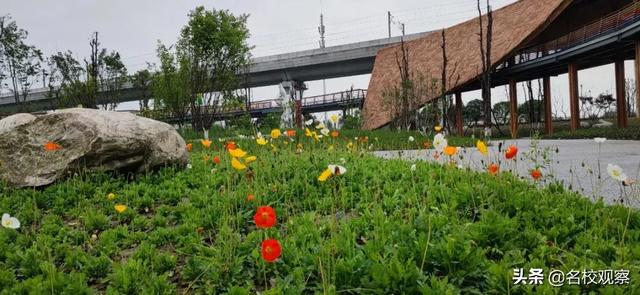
point(308, 65)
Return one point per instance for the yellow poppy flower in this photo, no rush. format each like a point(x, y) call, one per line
point(237, 153)
point(250, 159)
point(120, 208)
point(437, 128)
point(275, 133)
point(307, 132)
point(482, 148)
point(325, 175)
point(111, 196)
point(261, 141)
point(350, 145)
point(236, 164)
point(206, 143)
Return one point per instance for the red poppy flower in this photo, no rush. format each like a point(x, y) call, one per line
point(265, 217)
point(511, 152)
point(291, 133)
point(271, 250)
point(536, 174)
point(493, 169)
point(335, 133)
point(216, 160)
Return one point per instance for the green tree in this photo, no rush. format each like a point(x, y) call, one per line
point(141, 80)
point(529, 108)
point(170, 86)
point(501, 114)
point(112, 75)
point(213, 48)
point(22, 62)
point(473, 112)
point(65, 85)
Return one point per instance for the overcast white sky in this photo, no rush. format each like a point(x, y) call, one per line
point(133, 28)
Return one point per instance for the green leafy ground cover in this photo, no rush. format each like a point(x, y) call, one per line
point(376, 140)
point(377, 229)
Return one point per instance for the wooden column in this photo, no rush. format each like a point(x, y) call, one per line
point(548, 118)
point(513, 108)
point(459, 119)
point(637, 70)
point(574, 103)
point(621, 101)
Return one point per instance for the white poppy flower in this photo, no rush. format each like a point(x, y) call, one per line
point(309, 122)
point(325, 131)
point(411, 139)
point(616, 172)
point(413, 167)
point(189, 166)
point(10, 222)
point(320, 126)
point(439, 142)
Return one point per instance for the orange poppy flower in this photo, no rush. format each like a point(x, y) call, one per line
point(493, 169)
point(189, 147)
point(426, 144)
point(271, 250)
point(230, 145)
point(250, 197)
point(335, 134)
point(216, 160)
point(536, 174)
point(291, 133)
point(450, 150)
point(265, 217)
point(52, 146)
point(511, 152)
point(206, 143)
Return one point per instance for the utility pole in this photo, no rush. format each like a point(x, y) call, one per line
point(322, 45)
point(321, 31)
point(402, 29)
point(389, 22)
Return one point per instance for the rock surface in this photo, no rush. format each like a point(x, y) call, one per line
point(84, 140)
point(15, 120)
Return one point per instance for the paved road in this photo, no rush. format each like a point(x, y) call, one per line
point(573, 162)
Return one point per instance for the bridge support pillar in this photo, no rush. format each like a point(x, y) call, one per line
point(459, 119)
point(621, 101)
point(548, 119)
point(513, 108)
point(295, 90)
point(637, 72)
point(574, 103)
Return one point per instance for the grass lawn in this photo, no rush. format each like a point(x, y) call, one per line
point(379, 228)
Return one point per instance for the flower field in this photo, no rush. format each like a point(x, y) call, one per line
point(304, 211)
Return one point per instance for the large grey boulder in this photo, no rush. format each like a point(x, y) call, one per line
point(88, 140)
